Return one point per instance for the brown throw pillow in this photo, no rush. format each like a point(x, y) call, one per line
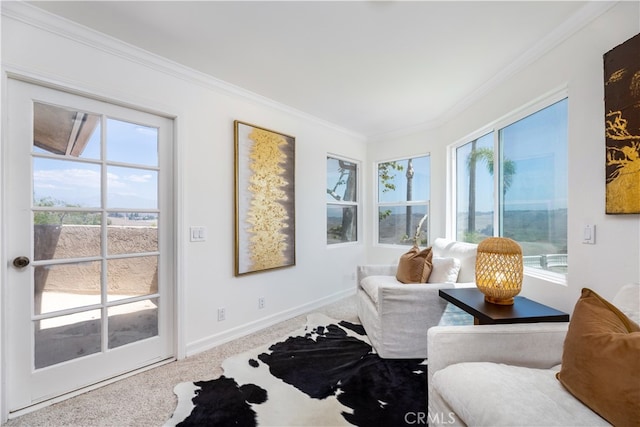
point(415, 266)
point(601, 360)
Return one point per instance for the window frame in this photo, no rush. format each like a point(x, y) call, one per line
point(508, 119)
point(341, 203)
point(377, 204)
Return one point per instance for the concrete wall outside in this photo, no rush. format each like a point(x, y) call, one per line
point(135, 275)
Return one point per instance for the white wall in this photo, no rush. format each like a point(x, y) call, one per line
point(205, 111)
point(50, 49)
point(577, 65)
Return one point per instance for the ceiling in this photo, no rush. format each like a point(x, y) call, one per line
point(370, 67)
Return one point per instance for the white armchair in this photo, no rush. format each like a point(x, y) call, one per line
point(504, 375)
point(396, 316)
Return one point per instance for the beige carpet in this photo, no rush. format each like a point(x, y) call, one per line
point(147, 399)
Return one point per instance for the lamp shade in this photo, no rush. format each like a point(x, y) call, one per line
point(499, 269)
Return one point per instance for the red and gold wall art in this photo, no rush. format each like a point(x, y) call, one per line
point(622, 122)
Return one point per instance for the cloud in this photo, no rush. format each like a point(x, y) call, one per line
point(139, 178)
point(147, 131)
point(82, 186)
point(66, 178)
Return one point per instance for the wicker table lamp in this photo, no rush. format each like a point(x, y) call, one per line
point(499, 270)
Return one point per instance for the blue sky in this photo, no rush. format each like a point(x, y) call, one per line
point(532, 144)
point(420, 182)
point(78, 182)
point(537, 145)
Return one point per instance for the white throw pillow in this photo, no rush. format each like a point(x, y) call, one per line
point(463, 251)
point(627, 300)
point(445, 270)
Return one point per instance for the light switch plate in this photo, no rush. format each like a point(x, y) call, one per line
point(589, 234)
point(197, 234)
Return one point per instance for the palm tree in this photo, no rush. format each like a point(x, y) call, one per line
point(485, 154)
point(409, 175)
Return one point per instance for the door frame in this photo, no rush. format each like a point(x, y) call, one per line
point(123, 100)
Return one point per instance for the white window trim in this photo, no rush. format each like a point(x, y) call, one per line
point(357, 203)
point(532, 107)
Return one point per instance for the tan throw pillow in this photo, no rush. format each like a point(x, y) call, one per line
point(415, 266)
point(601, 360)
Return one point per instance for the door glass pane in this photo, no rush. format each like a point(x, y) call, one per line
point(131, 277)
point(133, 322)
point(64, 234)
point(132, 143)
point(132, 232)
point(95, 212)
point(64, 183)
point(132, 188)
point(474, 189)
point(68, 337)
point(64, 286)
point(63, 131)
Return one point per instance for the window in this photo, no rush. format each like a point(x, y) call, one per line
point(342, 201)
point(524, 163)
point(474, 189)
point(403, 200)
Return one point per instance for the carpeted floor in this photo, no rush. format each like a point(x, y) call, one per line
point(147, 399)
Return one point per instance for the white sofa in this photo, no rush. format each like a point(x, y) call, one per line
point(504, 375)
point(396, 316)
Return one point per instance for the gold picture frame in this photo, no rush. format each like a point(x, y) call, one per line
point(264, 199)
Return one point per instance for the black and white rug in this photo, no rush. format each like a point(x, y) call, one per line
point(325, 374)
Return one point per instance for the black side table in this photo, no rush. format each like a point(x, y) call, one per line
point(523, 309)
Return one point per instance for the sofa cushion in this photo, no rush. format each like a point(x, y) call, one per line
point(627, 300)
point(464, 252)
point(445, 270)
point(600, 360)
point(415, 265)
point(370, 285)
point(494, 394)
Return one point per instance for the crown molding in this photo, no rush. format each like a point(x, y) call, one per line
point(54, 24)
point(43, 20)
point(586, 14)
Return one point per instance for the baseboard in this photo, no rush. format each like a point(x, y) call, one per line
point(262, 323)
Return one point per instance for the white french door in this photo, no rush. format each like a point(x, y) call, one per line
point(89, 237)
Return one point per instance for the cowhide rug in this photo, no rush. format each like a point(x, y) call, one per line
point(325, 374)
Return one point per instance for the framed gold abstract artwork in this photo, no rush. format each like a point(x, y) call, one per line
point(264, 199)
point(622, 127)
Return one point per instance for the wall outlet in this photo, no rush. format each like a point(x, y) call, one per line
point(222, 314)
point(261, 302)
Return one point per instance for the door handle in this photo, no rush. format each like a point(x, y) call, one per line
point(21, 261)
